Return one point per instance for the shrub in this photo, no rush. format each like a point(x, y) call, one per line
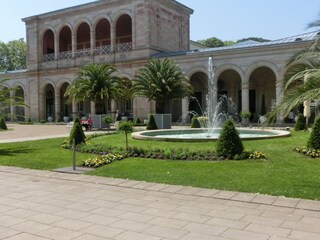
point(138, 121)
point(29, 120)
point(77, 133)
point(301, 123)
point(195, 123)
point(58, 120)
point(151, 125)
point(43, 121)
point(314, 140)
point(3, 124)
point(229, 143)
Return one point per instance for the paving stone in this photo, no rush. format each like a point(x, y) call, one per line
point(270, 230)
point(166, 232)
point(26, 236)
point(244, 235)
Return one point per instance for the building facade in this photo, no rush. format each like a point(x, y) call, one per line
point(126, 33)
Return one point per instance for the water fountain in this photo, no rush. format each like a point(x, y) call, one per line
point(216, 113)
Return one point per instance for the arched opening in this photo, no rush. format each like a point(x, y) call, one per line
point(49, 100)
point(124, 34)
point(262, 92)
point(197, 103)
point(66, 106)
point(65, 43)
point(229, 85)
point(83, 40)
point(20, 111)
point(103, 37)
point(48, 46)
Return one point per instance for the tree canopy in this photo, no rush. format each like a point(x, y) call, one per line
point(161, 81)
point(12, 55)
point(96, 83)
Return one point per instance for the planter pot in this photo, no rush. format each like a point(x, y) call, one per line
point(50, 119)
point(163, 121)
point(66, 119)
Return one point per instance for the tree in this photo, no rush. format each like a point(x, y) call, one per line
point(212, 42)
point(256, 39)
point(314, 140)
point(95, 83)
point(12, 55)
point(126, 127)
point(77, 133)
point(301, 123)
point(161, 81)
point(229, 143)
point(302, 79)
point(151, 125)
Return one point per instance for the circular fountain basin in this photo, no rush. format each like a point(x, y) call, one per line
point(203, 135)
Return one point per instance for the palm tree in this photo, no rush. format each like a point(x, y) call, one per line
point(95, 83)
point(161, 81)
point(302, 79)
point(6, 100)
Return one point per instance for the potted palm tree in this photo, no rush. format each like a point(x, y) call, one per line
point(162, 81)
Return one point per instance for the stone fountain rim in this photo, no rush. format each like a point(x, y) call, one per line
point(141, 135)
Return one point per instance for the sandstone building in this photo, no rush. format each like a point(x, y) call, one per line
point(126, 33)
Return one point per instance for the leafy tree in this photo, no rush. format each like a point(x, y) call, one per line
point(151, 125)
point(126, 127)
point(212, 42)
point(229, 143)
point(96, 83)
point(195, 123)
point(314, 140)
point(256, 39)
point(77, 133)
point(12, 55)
point(161, 81)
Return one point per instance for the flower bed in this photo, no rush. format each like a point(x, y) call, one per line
point(99, 161)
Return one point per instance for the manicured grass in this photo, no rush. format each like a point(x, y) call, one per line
point(40, 154)
point(284, 173)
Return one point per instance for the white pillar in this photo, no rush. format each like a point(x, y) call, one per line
point(56, 47)
point(93, 41)
point(57, 105)
point(113, 38)
point(74, 44)
point(245, 96)
point(185, 110)
point(279, 97)
point(92, 108)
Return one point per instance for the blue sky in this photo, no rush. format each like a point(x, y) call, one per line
point(224, 19)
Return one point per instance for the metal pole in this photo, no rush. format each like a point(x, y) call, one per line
point(74, 153)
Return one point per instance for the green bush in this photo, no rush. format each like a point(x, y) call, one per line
point(43, 121)
point(58, 120)
point(151, 125)
point(3, 124)
point(138, 121)
point(125, 127)
point(301, 123)
point(195, 123)
point(229, 143)
point(314, 140)
point(77, 133)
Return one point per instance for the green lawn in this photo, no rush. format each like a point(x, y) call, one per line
point(284, 173)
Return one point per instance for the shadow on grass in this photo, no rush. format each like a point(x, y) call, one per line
point(13, 151)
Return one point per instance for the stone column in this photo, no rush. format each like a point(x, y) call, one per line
point(12, 108)
point(185, 110)
point(74, 44)
point(92, 108)
point(93, 41)
point(279, 96)
point(56, 47)
point(57, 105)
point(245, 96)
point(113, 38)
point(42, 105)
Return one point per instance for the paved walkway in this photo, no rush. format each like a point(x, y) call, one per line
point(50, 205)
